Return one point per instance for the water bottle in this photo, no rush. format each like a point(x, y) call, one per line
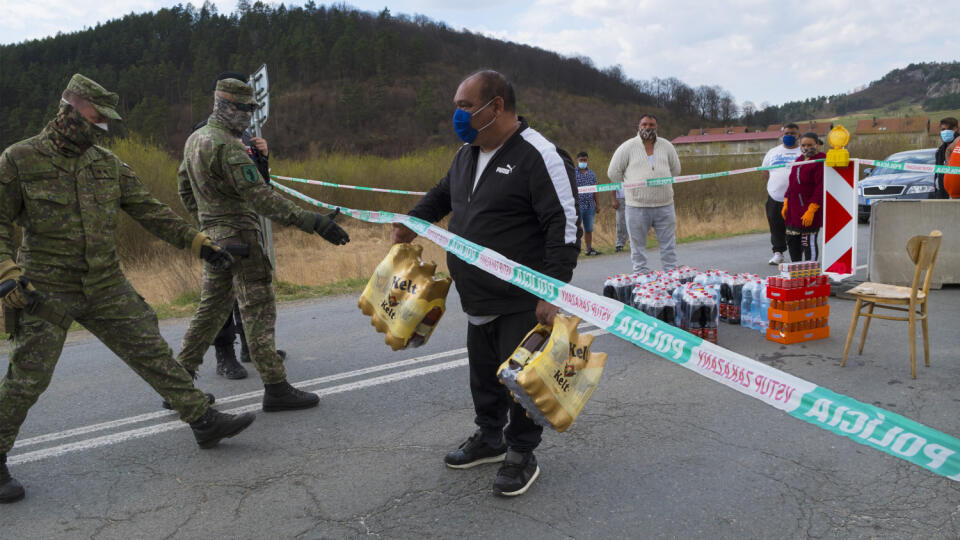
point(764, 309)
point(746, 315)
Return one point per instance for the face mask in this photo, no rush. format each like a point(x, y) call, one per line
point(648, 134)
point(235, 119)
point(461, 123)
point(948, 135)
point(582, 164)
point(789, 140)
point(74, 128)
point(809, 152)
point(103, 125)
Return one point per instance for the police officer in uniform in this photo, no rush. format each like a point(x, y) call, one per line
point(66, 194)
point(229, 195)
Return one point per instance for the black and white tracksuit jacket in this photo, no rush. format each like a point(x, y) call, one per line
point(524, 207)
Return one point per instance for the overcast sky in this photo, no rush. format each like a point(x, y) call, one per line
point(760, 50)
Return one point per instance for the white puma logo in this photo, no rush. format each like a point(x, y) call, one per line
point(507, 169)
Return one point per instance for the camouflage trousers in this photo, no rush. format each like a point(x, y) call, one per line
point(120, 318)
point(249, 281)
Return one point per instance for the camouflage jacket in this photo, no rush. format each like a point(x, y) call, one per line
point(220, 185)
point(68, 209)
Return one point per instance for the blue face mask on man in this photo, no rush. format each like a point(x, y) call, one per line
point(789, 140)
point(461, 123)
point(948, 135)
point(582, 164)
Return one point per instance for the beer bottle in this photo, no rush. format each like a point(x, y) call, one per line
point(423, 329)
point(534, 343)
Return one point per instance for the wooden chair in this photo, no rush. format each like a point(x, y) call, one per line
point(913, 299)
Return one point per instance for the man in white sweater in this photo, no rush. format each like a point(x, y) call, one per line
point(638, 159)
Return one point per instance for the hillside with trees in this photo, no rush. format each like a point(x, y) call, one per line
point(340, 79)
point(932, 85)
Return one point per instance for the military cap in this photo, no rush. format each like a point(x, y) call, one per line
point(104, 101)
point(236, 90)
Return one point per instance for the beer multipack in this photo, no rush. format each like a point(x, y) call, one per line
point(403, 298)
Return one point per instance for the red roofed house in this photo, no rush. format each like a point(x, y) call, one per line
point(915, 128)
point(725, 143)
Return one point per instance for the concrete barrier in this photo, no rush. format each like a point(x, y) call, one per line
point(893, 222)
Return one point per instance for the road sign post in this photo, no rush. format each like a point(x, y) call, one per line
point(261, 91)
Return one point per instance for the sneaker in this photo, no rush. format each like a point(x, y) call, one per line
point(214, 425)
point(592, 252)
point(619, 249)
point(10, 489)
point(166, 404)
point(474, 451)
point(517, 474)
point(776, 259)
point(282, 396)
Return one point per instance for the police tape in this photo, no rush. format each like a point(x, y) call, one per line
point(914, 167)
point(688, 178)
point(346, 186)
point(582, 189)
point(842, 415)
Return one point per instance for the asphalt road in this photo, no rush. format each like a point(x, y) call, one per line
point(660, 452)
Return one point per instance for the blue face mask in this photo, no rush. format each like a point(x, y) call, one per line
point(582, 164)
point(789, 140)
point(948, 135)
point(461, 124)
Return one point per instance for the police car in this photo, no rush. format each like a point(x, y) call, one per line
point(886, 183)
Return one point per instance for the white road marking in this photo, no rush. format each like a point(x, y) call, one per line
point(115, 438)
point(229, 399)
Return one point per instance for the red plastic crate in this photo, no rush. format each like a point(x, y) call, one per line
point(776, 293)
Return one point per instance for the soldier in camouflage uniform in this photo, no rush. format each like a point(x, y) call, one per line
point(221, 185)
point(66, 194)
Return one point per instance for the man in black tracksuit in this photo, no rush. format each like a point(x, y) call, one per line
point(513, 191)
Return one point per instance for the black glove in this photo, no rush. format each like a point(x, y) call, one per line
point(16, 293)
point(208, 250)
point(219, 258)
point(330, 231)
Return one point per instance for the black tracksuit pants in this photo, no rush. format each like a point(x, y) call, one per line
point(488, 346)
point(233, 326)
point(778, 229)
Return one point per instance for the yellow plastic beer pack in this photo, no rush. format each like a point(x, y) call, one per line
point(403, 298)
point(553, 373)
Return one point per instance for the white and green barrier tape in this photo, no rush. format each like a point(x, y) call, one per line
point(862, 423)
point(583, 189)
point(914, 167)
point(346, 186)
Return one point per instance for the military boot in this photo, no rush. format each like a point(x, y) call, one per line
point(215, 425)
point(10, 489)
point(227, 365)
point(284, 397)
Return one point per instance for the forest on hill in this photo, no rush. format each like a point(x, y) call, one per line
point(933, 85)
point(340, 79)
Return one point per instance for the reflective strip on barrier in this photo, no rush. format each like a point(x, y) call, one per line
point(860, 422)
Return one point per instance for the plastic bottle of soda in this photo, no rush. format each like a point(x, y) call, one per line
point(669, 311)
point(609, 288)
point(712, 324)
point(423, 329)
point(534, 342)
point(736, 298)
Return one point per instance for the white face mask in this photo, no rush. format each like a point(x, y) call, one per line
point(103, 126)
